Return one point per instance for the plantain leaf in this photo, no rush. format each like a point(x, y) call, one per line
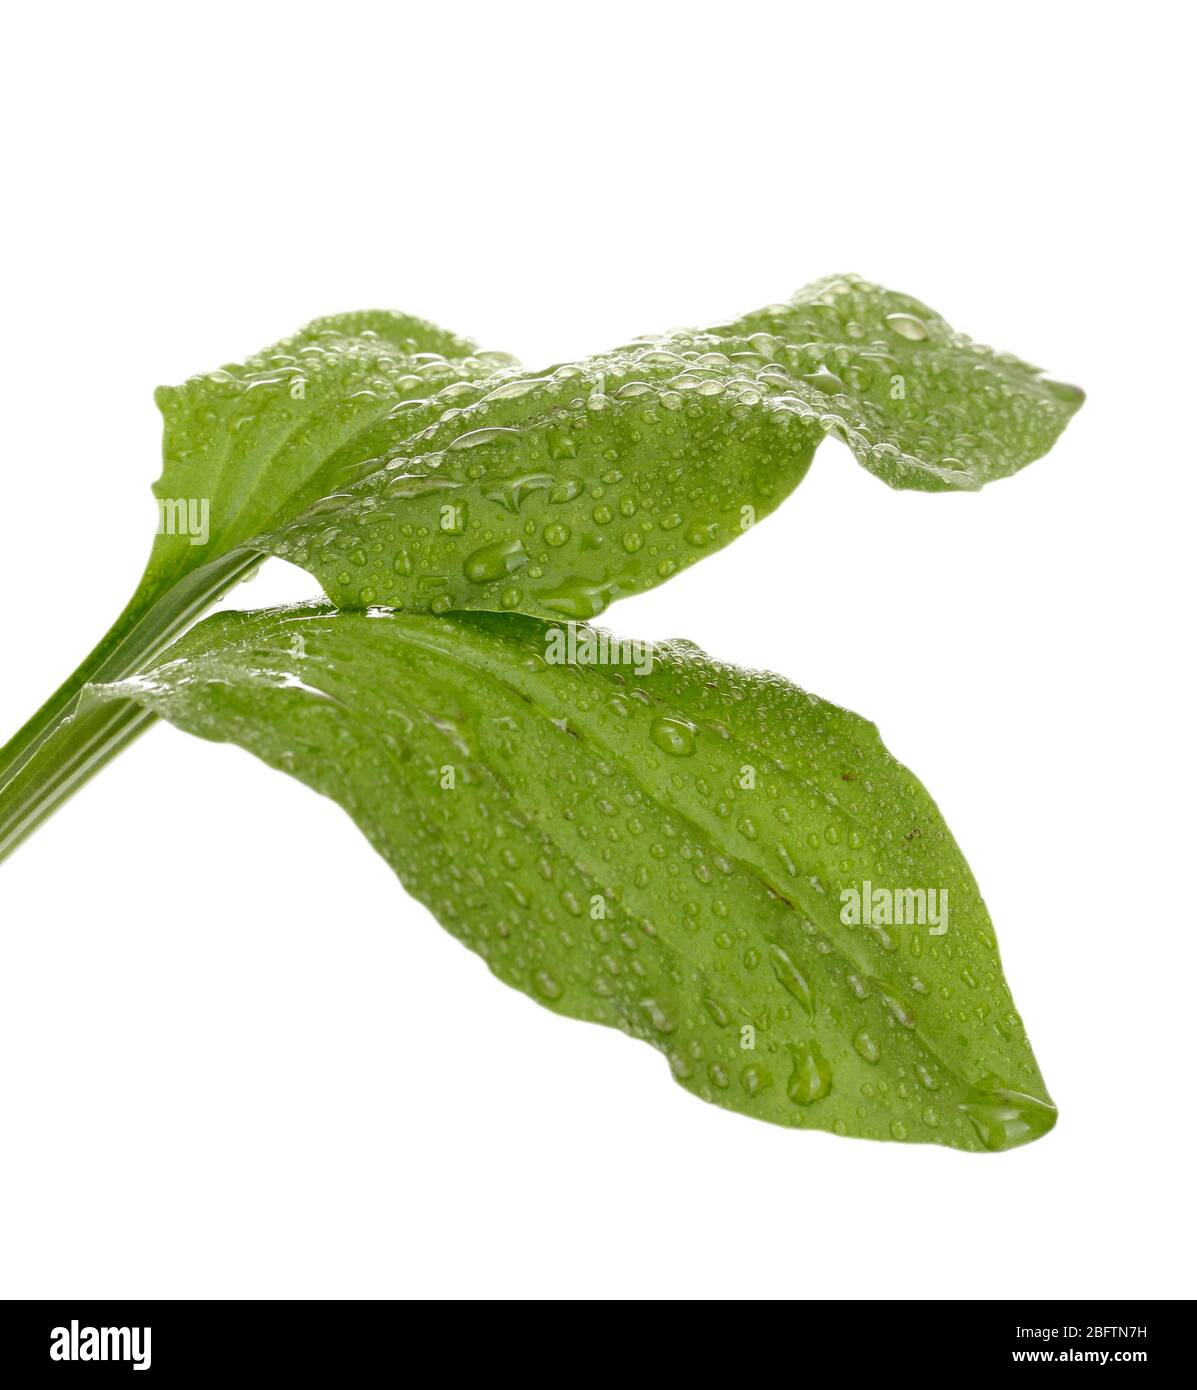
point(556, 492)
point(707, 858)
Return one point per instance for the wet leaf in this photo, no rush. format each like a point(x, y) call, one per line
point(709, 859)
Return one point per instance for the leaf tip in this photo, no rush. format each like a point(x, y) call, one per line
point(1065, 391)
point(1006, 1119)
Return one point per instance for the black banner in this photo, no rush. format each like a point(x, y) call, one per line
point(179, 1343)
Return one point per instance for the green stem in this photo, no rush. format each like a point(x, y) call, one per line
point(62, 747)
point(71, 754)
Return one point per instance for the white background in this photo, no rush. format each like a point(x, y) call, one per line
point(235, 1059)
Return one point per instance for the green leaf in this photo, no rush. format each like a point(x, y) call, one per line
point(671, 851)
point(557, 492)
